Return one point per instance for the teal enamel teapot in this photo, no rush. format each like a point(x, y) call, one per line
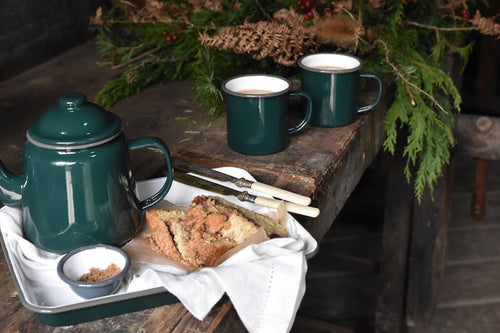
point(77, 188)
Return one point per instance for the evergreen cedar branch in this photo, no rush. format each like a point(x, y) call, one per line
point(151, 41)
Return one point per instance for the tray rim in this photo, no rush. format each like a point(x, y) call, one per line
point(74, 306)
point(109, 299)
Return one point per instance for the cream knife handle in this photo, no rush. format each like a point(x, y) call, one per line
point(280, 193)
point(290, 207)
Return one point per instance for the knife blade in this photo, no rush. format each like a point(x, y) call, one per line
point(201, 183)
point(242, 182)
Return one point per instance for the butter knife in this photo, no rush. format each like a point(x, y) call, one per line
point(242, 182)
point(204, 184)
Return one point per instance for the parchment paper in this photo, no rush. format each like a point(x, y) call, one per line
point(141, 251)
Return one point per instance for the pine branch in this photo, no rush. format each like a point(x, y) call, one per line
point(406, 39)
point(405, 80)
point(136, 58)
point(432, 27)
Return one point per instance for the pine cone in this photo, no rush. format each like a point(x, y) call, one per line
point(486, 25)
point(340, 31)
point(284, 39)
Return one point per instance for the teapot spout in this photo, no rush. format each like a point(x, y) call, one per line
point(10, 187)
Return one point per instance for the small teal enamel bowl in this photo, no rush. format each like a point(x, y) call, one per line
point(78, 262)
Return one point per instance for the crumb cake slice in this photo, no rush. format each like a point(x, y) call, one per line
point(209, 228)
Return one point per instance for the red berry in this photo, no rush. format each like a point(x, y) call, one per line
point(174, 37)
point(465, 13)
point(302, 7)
point(168, 38)
point(307, 3)
point(180, 32)
point(164, 32)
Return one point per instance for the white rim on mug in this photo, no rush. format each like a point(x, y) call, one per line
point(346, 63)
point(276, 85)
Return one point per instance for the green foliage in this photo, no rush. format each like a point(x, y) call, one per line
point(425, 109)
point(425, 98)
point(411, 42)
point(395, 14)
point(208, 80)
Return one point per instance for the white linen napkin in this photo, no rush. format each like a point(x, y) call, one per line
point(265, 281)
point(37, 265)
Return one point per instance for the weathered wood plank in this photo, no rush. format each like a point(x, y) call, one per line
point(309, 325)
point(427, 251)
point(231, 323)
point(468, 319)
point(469, 284)
point(364, 251)
point(479, 193)
point(325, 163)
point(461, 208)
point(346, 296)
point(468, 245)
point(211, 323)
point(391, 297)
point(478, 136)
point(159, 110)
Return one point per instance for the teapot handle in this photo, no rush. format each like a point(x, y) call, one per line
point(159, 144)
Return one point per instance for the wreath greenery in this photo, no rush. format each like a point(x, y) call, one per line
point(211, 40)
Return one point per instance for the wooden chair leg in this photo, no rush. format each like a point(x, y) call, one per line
point(479, 192)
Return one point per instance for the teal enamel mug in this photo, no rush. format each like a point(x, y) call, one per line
point(332, 82)
point(78, 188)
point(257, 110)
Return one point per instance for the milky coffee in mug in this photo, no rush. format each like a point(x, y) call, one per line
point(257, 113)
point(332, 82)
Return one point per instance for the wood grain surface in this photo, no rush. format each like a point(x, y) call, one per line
point(324, 163)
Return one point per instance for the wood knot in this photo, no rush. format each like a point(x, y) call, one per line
point(483, 124)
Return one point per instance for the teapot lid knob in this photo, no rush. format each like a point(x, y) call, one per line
point(72, 101)
point(74, 122)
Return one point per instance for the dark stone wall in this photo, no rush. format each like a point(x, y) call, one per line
point(33, 31)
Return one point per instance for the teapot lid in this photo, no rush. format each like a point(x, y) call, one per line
point(74, 123)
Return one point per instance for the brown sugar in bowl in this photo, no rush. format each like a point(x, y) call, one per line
point(81, 261)
point(99, 274)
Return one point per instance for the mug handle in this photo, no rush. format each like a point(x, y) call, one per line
point(379, 94)
point(159, 144)
point(307, 117)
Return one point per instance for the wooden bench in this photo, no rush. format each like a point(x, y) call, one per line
point(324, 163)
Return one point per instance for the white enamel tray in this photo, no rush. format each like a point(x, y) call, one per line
point(58, 305)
